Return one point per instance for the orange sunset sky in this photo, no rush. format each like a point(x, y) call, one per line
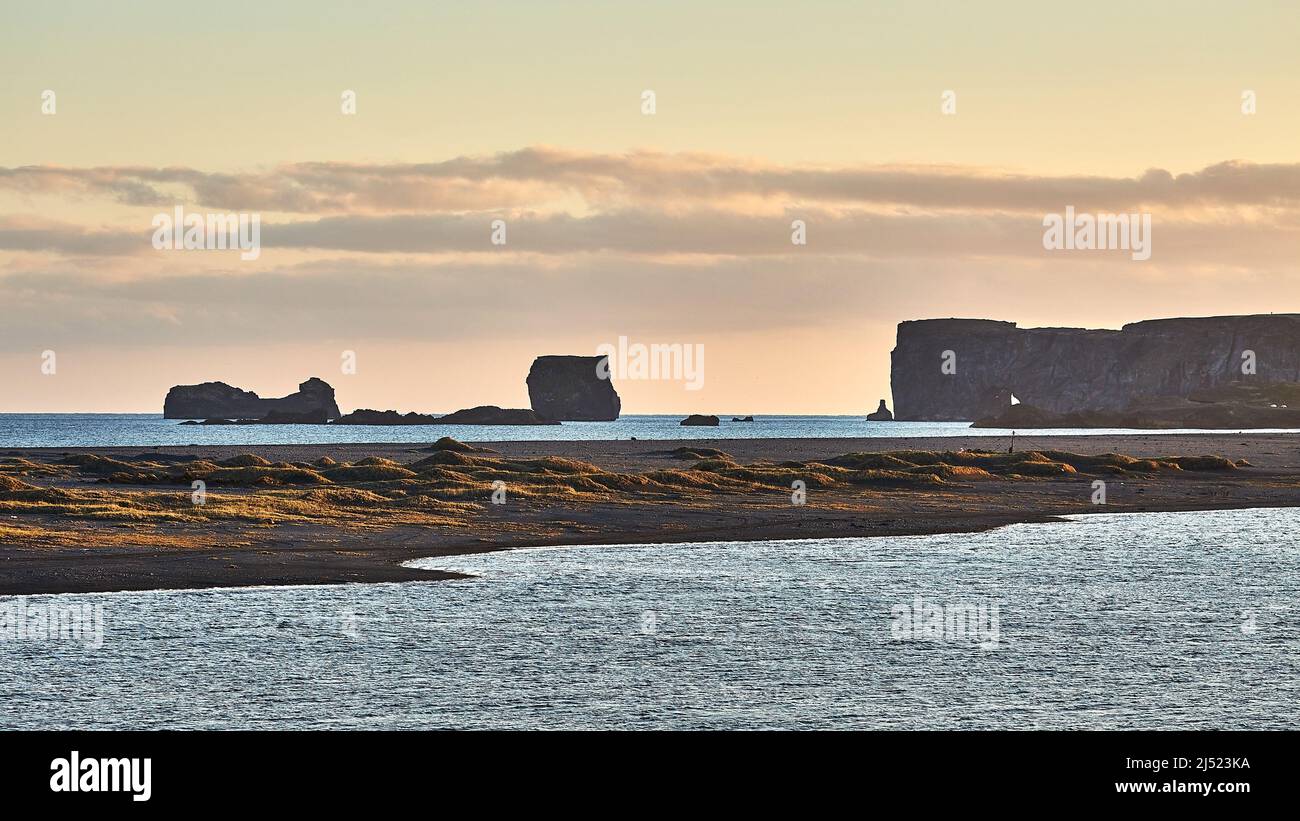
point(664, 227)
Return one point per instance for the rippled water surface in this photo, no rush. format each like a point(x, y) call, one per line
point(32, 430)
point(1157, 620)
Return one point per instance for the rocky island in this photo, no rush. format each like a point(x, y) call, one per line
point(219, 401)
point(481, 415)
point(560, 388)
point(572, 389)
point(700, 420)
point(492, 415)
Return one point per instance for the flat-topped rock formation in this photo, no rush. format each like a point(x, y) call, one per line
point(275, 417)
point(572, 389)
point(967, 369)
point(366, 416)
point(492, 415)
point(481, 415)
point(217, 400)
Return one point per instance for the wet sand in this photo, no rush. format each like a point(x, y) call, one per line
point(306, 553)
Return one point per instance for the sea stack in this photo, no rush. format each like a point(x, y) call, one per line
point(573, 389)
point(881, 414)
point(217, 400)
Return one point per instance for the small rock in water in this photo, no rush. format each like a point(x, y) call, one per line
point(881, 414)
point(700, 420)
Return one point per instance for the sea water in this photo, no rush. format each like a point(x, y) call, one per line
point(1147, 620)
point(30, 430)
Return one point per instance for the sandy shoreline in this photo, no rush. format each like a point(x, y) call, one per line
point(96, 556)
point(1270, 449)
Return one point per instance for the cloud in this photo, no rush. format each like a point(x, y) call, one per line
point(341, 301)
point(682, 244)
point(541, 177)
point(62, 238)
point(1233, 240)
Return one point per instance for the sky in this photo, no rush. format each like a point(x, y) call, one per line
point(670, 227)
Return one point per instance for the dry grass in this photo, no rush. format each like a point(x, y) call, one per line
point(453, 484)
point(81, 535)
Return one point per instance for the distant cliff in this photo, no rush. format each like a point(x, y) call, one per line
point(572, 389)
point(965, 369)
point(217, 400)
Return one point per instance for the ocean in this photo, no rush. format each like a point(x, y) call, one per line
point(1109, 621)
point(29, 430)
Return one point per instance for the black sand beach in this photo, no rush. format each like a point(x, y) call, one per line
point(66, 551)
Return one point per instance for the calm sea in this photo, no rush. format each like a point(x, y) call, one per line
point(1148, 620)
point(24, 430)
